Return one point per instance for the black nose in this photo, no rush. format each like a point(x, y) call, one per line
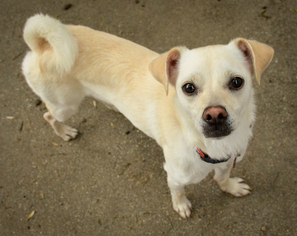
point(215, 115)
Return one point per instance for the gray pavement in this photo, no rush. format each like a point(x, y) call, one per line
point(110, 180)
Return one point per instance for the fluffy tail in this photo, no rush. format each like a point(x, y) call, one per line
point(53, 43)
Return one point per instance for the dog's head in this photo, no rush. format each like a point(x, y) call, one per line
point(214, 83)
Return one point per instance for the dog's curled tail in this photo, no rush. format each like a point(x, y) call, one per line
point(52, 42)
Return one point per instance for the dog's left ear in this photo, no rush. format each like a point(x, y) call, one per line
point(165, 68)
point(258, 55)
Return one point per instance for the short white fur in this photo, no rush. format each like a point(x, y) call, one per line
point(67, 63)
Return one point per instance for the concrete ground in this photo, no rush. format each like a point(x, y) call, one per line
point(110, 180)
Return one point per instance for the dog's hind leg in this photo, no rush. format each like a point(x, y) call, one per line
point(55, 117)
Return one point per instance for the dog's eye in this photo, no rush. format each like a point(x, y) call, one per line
point(236, 83)
point(189, 89)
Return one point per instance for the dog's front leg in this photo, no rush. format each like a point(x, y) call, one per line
point(235, 186)
point(179, 200)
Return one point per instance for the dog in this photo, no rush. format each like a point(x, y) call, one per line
point(197, 104)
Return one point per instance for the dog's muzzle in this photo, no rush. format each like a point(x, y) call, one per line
point(216, 123)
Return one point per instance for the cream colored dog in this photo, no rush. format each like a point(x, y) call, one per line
point(197, 104)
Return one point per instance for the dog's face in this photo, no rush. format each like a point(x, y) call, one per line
point(214, 84)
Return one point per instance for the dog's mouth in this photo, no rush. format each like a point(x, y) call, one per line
point(217, 130)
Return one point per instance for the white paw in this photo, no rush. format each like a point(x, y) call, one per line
point(66, 132)
point(182, 206)
point(236, 187)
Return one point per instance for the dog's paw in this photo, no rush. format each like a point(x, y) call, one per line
point(66, 132)
point(182, 206)
point(236, 187)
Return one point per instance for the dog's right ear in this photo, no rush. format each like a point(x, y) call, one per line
point(165, 68)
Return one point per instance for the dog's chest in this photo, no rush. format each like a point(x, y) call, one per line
point(187, 167)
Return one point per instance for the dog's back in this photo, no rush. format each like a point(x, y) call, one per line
point(67, 63)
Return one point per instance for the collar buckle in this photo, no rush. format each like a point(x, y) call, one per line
point(205, 157)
